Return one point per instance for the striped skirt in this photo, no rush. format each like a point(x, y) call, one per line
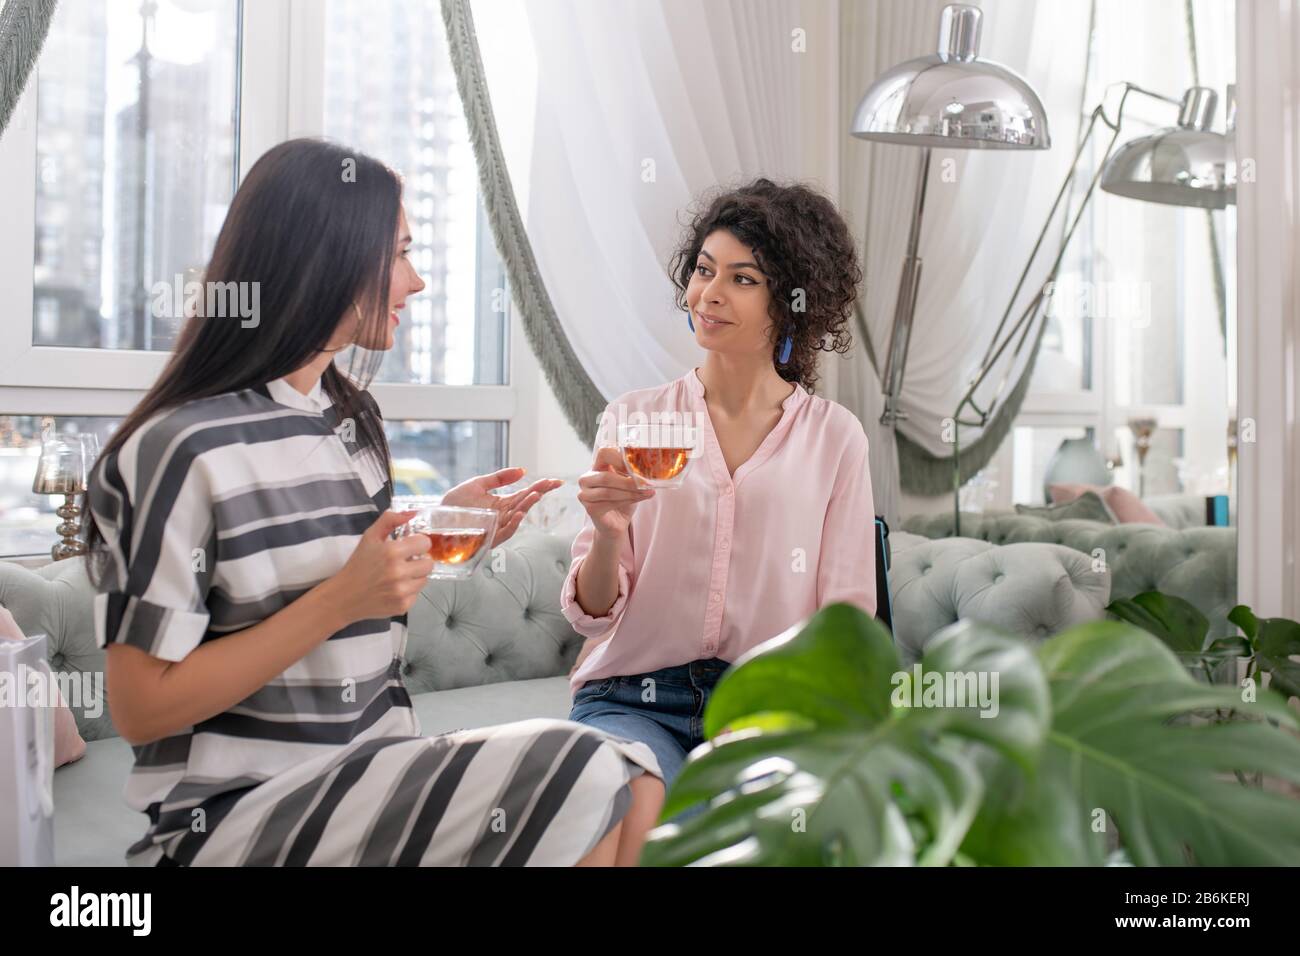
point(533, 793)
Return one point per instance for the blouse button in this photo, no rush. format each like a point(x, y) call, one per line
point(714, 597)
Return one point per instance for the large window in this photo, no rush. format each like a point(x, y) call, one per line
point(135, 155)
point(390, 90)
point(135, 130)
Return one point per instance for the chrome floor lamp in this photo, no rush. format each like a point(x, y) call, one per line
point(950, 99)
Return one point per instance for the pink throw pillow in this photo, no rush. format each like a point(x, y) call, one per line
point(68, 745)
point(1126, 506)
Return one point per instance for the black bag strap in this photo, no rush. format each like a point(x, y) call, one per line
point(884, 603)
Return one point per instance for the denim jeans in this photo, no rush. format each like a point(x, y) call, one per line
point(664, 709)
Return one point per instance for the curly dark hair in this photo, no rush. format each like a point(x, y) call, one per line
point(800, 242)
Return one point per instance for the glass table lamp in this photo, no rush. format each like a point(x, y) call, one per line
point(62, 470)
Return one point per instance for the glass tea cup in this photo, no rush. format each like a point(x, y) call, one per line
point(414, 502)
point(460, 537)
point(658, 454)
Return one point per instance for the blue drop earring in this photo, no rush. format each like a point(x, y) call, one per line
point(688, 320)
point(786, 346)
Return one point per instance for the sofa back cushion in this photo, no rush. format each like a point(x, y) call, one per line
point(1030, 590)
point(502, 624)
point(1198, 565)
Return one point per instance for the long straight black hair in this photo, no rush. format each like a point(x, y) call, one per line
point(314, 225)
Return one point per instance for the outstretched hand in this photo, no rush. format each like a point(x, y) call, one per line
point(510, 509)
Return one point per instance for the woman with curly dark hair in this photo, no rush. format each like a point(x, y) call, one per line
point(774, 517)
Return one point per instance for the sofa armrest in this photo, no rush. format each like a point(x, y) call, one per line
point(55, 600)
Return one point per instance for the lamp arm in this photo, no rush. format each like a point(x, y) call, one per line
point(1130, 88)
point(1115, 125)
point(909, 285)
point(998, 344)
point(1051, 214)
point(1023, 325)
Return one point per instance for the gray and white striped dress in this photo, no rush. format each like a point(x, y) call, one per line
point(216, 515)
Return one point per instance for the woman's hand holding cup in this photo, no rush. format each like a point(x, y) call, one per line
point(610, 494)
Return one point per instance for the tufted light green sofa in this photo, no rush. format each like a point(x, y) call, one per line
point(1198, 564)
point(496, 648)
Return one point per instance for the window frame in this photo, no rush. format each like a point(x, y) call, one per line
point(280, 59)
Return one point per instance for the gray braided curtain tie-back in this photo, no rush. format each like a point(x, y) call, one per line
point(921, 473)
point(23, 26)
point(579, 398)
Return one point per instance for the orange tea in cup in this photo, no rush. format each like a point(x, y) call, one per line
point(458, 537)
point(656, 464)
point(657, 454)
point(455, 545)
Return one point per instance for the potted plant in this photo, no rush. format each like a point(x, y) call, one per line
point(823, 750)
point(1266, 645)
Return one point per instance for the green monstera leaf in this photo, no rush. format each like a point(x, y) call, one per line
point(1031, 819)
point(1278, 642)
point(1175, 621)
point(1274, 640)
point(852, 772)
point(1093, 741)
point(1120, 737)
point(1185, 630)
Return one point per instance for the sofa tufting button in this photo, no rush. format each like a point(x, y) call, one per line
point(528, 613)
point(451, 622)
point(925, 569)
point(559, 566)
point(407, 669)
point(998, 577)
point(488, 660)
point(1042, 630)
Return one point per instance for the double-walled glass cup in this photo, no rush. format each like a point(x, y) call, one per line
point(460, 537)
point(658, 454)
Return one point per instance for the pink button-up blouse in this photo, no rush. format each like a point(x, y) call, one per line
point(721, 563)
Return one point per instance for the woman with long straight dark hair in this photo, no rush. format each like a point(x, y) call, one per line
point(253, 601)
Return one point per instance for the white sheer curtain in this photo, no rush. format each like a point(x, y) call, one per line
point(983, 209)
point(635, 107)
point(639, 107)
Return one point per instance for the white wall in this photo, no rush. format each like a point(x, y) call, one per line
point(560, 453)
point(1268, 305)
